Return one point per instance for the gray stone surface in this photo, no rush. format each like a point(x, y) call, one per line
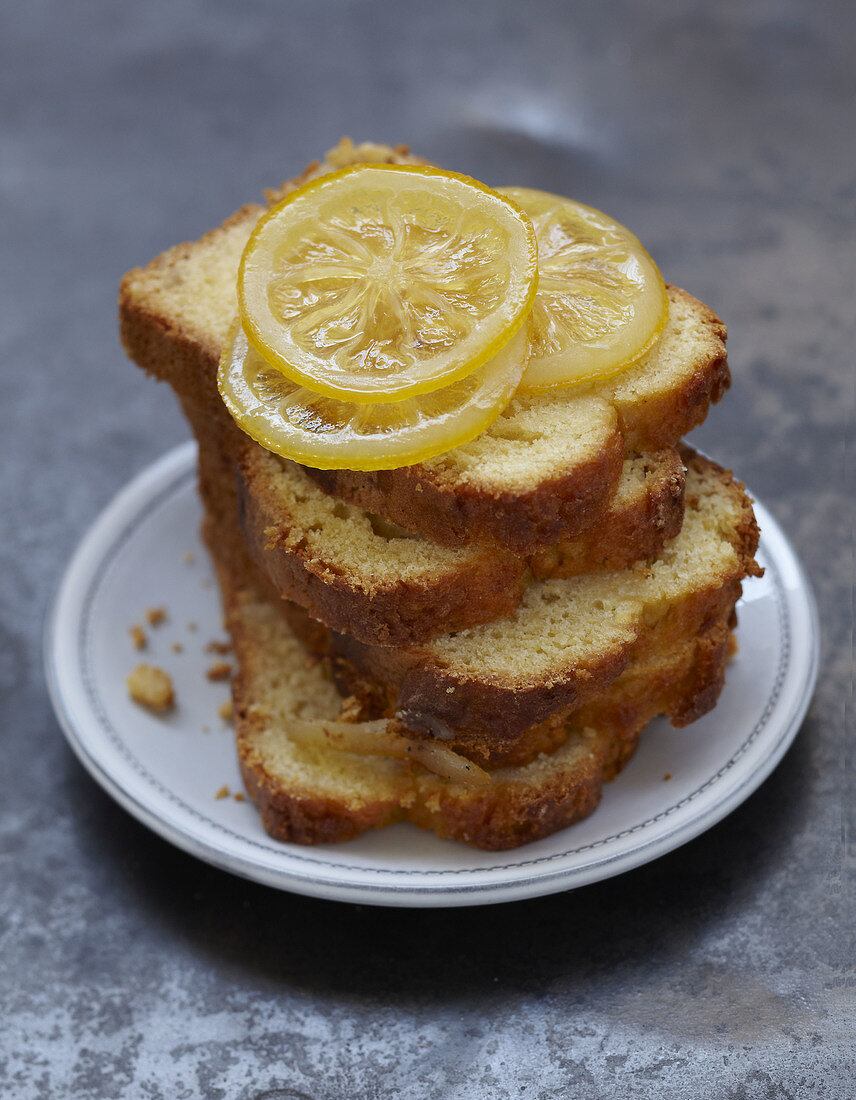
point(723, 133)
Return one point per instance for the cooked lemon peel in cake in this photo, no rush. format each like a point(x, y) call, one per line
point(375, 738)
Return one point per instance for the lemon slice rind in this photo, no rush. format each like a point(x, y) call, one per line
point(328, 434)
point(418, 282)
point(601, 303)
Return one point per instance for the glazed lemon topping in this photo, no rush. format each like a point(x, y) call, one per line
point(326, 433)
point(601, 300)
point(376, 283)
point(388, 313)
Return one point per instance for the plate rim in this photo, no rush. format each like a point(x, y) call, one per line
point(167, 475)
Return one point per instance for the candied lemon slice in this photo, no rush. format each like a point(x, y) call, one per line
point(601, 302)
point(379, 282)
point(330, 434)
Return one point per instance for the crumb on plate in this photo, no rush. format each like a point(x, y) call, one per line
point(151, 687)
point(220, 670)
point(156, 615)
point(138, 636)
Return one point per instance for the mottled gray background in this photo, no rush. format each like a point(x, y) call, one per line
point(724, 134)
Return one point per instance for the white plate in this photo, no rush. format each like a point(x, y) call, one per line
point(166, 771)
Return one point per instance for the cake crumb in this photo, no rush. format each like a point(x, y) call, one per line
point(177, 647)
point(219, 647)
point(239, 796)
point(223, 792)
point(151, 687)
point(220, 670)
point(668, 775)
point(156, 615)
point(188, 558)
point(226, 710)
point(138, 636)
point(351, 710)
point(192, 627)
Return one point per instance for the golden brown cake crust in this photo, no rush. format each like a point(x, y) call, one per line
point(475, 712)
point(630, 532)
point(478, 584)
point(419, 498)
point(523, 803)
point(486, 721)
point(392, 613)
point(300, 819)
point(664, 419)
point(496, 823)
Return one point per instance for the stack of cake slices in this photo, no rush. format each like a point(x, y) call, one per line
point(476, 642)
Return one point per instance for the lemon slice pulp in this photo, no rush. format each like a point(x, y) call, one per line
point(379, 282)
point(329, 434)
point(601, 301)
